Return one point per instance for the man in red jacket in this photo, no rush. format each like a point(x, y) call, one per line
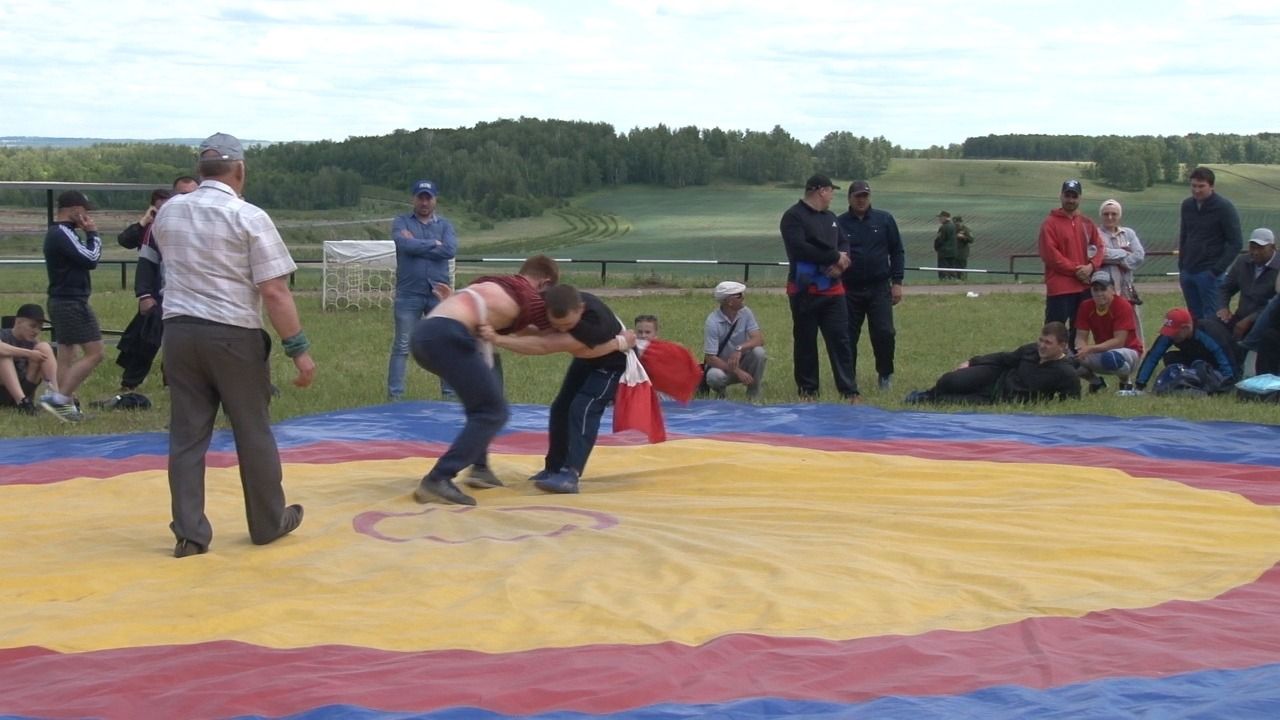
point(1071, 250)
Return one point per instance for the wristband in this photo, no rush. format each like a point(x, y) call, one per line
point(296, 345)
point(622, 342)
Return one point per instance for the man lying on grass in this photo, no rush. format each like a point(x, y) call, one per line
point(1036, 371)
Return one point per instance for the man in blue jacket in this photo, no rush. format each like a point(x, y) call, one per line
point(873, 281)
point(1208, 241)
point(425, 243)
point(1185, 340)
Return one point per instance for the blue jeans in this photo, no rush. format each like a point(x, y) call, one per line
point(1200, 289)
point(407, 312)
point(443, 346)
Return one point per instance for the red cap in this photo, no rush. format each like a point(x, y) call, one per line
point(1175, 320)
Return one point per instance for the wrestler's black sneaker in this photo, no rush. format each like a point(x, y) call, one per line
point(440, 489)
point(482, 478)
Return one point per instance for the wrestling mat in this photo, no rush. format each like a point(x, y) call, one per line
point(801, 561)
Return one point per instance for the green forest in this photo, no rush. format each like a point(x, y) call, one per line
point(517, 168)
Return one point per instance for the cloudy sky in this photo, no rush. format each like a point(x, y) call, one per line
point(917, 72)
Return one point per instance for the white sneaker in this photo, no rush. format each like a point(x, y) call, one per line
point(66, 412)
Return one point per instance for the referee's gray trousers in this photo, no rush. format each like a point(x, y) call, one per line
point(211, 364)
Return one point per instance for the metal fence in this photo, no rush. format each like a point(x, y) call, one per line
point(1015, 271)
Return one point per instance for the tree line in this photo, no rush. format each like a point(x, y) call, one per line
point(1131, 162)
point(516, 168)
point(501, 169)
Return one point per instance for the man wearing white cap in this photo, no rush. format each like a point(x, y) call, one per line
point(733, 344)
point(1253, 277)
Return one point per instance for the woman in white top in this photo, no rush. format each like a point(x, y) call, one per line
point(1123, 253)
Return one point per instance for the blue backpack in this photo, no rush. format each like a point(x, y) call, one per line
point(1197, 379)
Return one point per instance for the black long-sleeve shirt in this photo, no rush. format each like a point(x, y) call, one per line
point(1026, 379)
point(811, 237)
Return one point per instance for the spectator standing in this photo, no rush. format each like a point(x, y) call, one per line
point(1255, 278)
point(1122, 253)
point(817, 255)
point(141, 339)
point(945, 245)
point(69, 260)
point(1208, 241)
point(1071, 249)
point(964, 240)
point(873, 280)
point(733, 344)
point(425, 243)
point(224, 260)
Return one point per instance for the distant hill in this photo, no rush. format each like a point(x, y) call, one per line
point(57, 142)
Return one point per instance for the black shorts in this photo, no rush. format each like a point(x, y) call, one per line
point(73, 321)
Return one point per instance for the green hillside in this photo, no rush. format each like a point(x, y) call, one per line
point(1003, 202)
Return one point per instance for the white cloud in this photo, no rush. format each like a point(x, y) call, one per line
point(918, 73)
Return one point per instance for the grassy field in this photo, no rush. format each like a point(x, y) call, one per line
point(934, 333)
point(1002, 201)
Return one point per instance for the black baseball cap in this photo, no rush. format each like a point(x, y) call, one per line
point(74, 198)
point(858, 187)
point(1073, 186)
point(31, 311)
point(817, 182)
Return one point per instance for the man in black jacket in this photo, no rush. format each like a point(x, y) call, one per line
point(873, 281)
point(817, 255)
point(141, 340)
point(1208, 241)
point(1036, 371)
point(69, 260)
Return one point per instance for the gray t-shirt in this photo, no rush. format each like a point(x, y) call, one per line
point(717, 326)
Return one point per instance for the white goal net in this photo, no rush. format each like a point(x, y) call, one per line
point(361, 274)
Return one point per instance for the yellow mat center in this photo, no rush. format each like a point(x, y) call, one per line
point(681, 541)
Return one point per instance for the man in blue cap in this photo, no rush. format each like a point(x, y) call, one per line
point(425, 244)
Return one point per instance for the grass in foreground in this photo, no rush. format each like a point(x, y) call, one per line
point(934, 333)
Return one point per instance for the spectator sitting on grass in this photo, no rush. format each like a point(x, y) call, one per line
point(25, 362)
point(1033, 372)
point(1183, 340)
